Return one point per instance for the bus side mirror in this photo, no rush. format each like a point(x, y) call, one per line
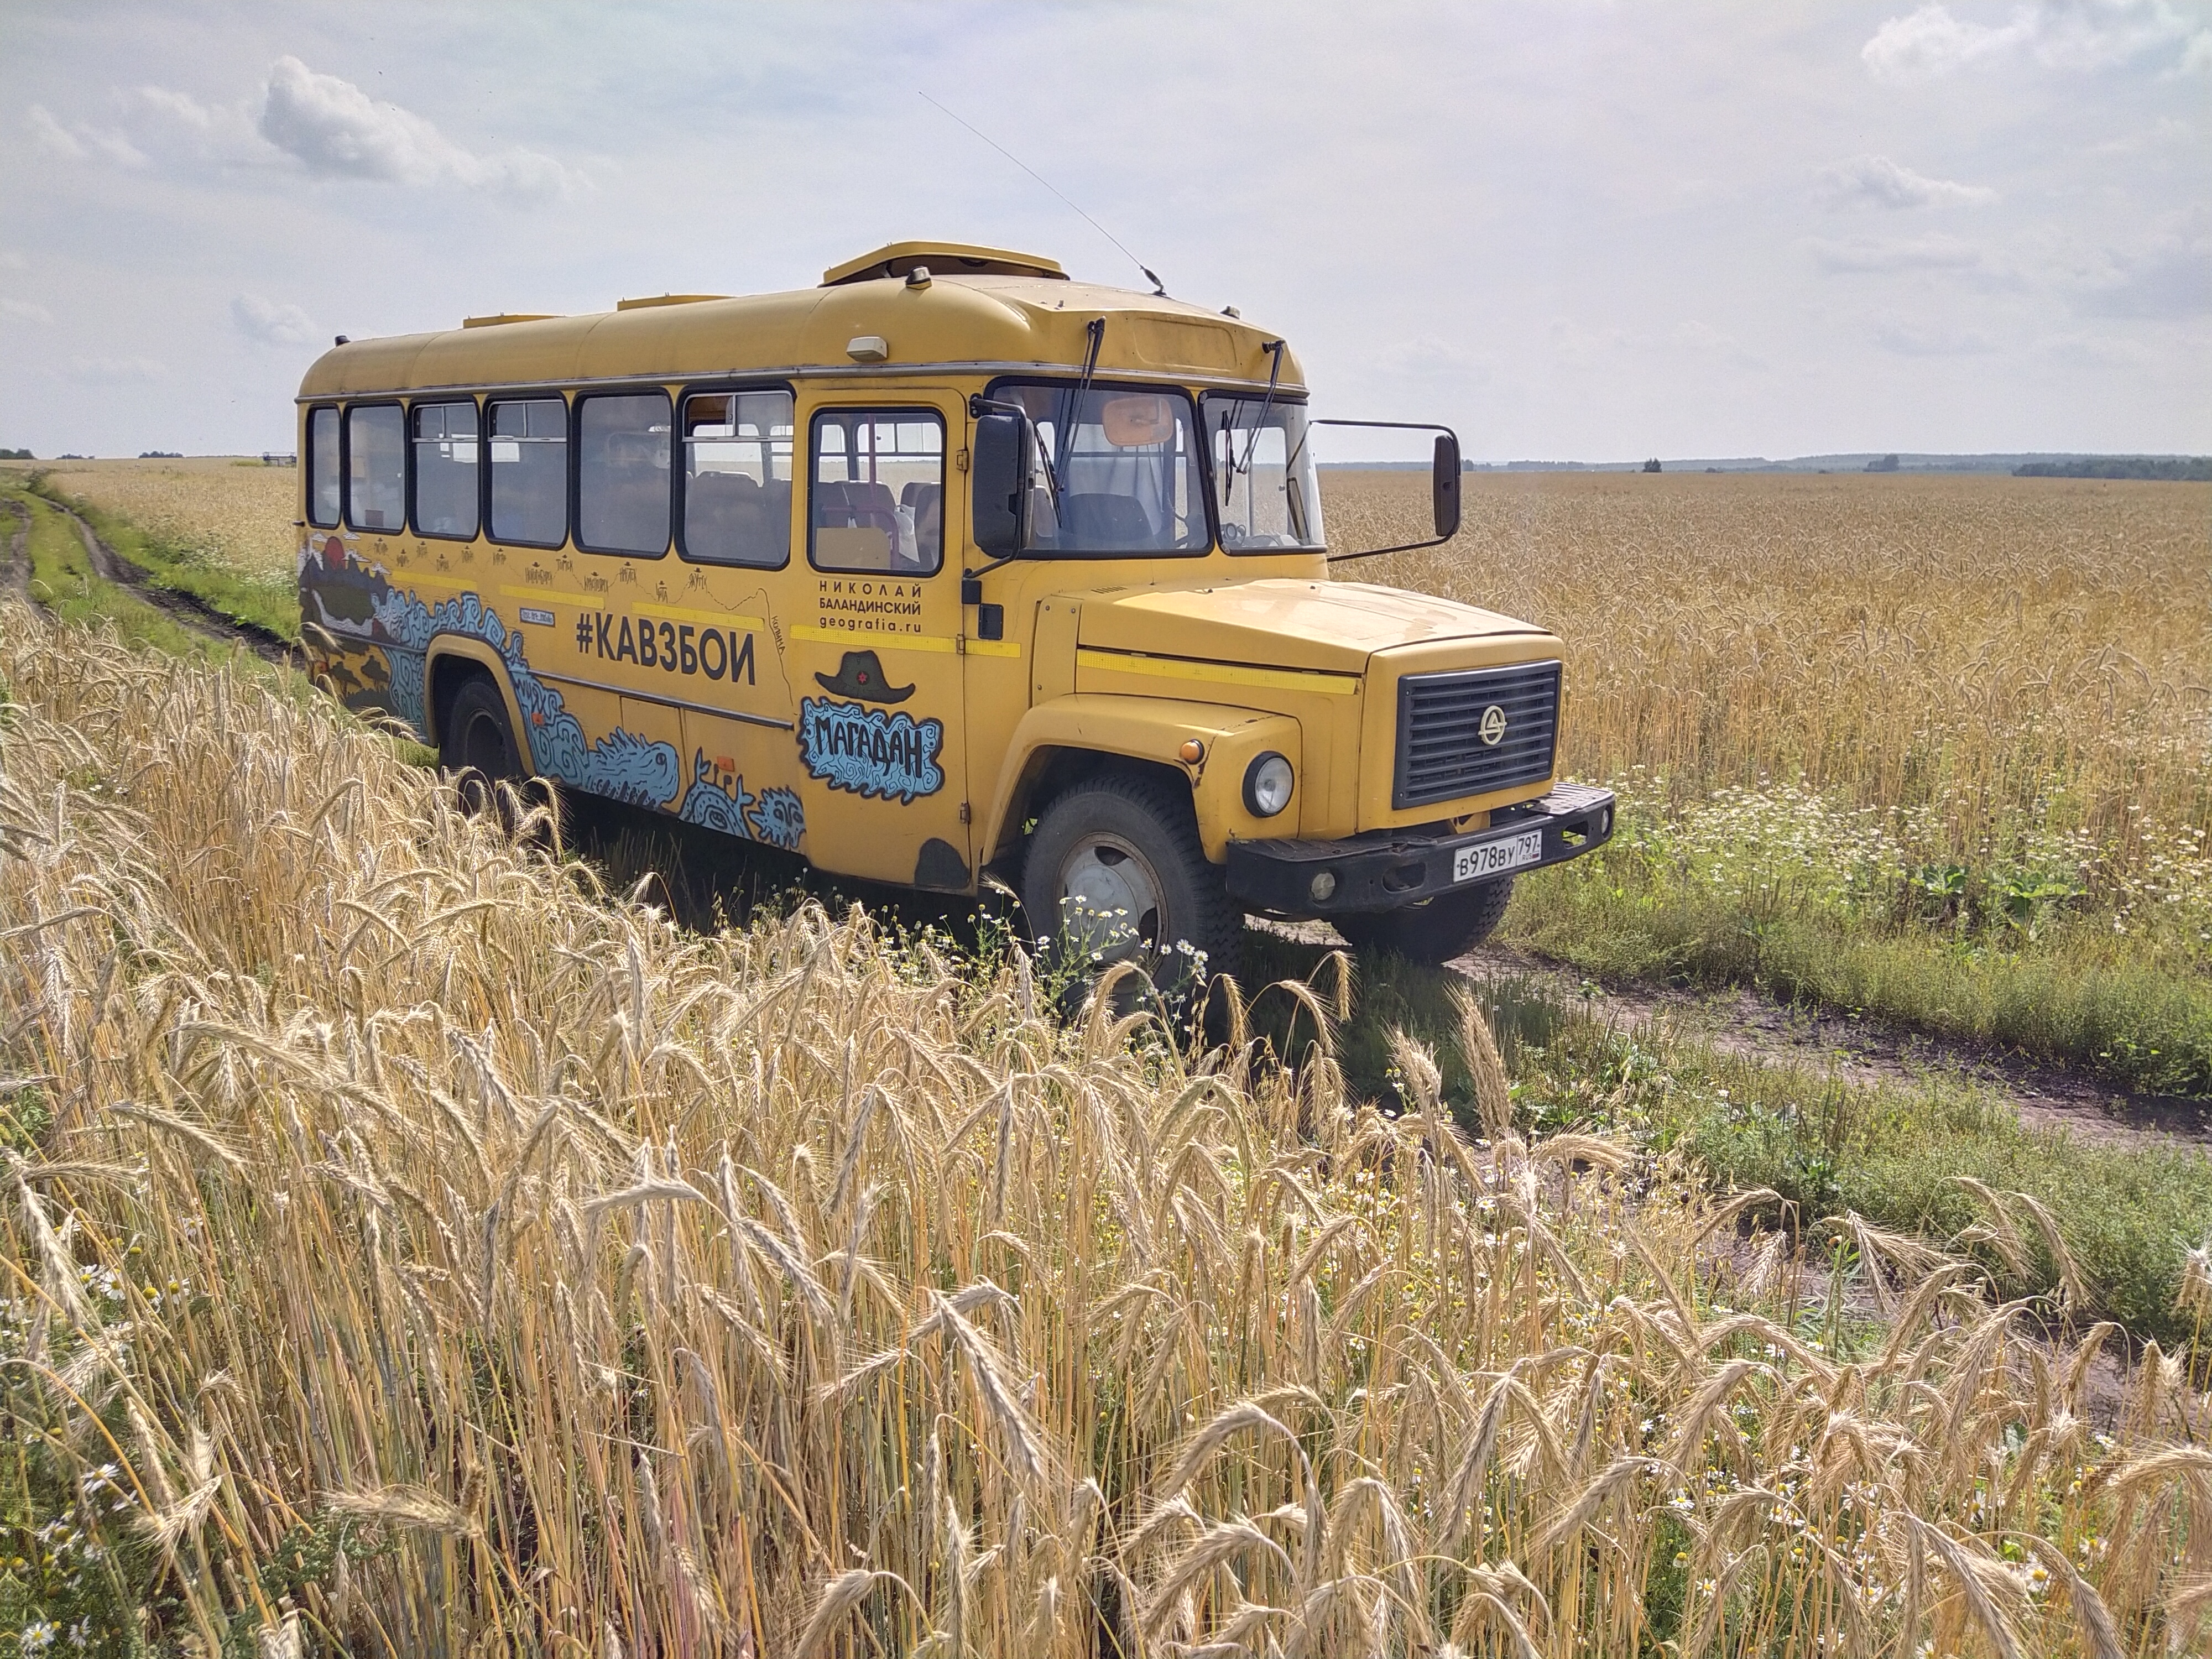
point(1003, 463)
point(1444, 487)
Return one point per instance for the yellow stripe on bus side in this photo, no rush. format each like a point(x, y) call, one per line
point(1170, 668)
point(582, 601)
point(904, 642)
point(711, 618)
point(640, 607)
point(714, 618)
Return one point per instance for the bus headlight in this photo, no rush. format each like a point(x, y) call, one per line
point(1267, 784)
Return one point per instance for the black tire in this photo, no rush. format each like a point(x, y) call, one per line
point(1436, 930)
point(1127, 836)
point(476, 746)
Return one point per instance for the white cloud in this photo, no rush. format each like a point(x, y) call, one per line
point(1909, 338)
point(218, 131)
point(1880, 182)
point(49, 137)
point(338, 130)
point(1434, 354)
point(1932, 42)
point(272, 324)
point(115, 371)
point(13, 261)
point(1916, 253)
point(2169, 276)
point(24, 311)
point(1706, 340)
point(2069, 35)
point(1580, 347)
point(78, 143)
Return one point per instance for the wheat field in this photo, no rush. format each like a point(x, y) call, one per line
point(415, 1248)
point(1982, 654)
point(230, 511)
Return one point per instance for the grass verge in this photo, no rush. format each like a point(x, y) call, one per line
point(2129, 1216)
point(64, 581)
point(269, 602)
point(2016, 956)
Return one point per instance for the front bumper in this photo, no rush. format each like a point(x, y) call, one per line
point(1389, 869)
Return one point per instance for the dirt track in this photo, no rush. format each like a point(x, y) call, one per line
point(202, 618)
point(16, 567)
point(1860, 1051)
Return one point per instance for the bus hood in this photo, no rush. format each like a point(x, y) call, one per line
point(1281, 622)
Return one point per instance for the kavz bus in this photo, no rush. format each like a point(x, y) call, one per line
point(950, 565)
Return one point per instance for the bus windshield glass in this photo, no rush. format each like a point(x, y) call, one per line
point(1124, 474)
point(1263, 473)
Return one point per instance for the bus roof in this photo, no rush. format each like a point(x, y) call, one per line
point(982, 310)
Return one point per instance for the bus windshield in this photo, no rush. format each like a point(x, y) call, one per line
point(1124, 471)
point(1263, 472)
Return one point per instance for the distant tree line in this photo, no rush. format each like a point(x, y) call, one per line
point(17, 455)
point(2173, 469)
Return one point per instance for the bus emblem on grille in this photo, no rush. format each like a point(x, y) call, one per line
point(1492, 730)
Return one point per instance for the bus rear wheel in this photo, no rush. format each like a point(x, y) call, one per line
point(1114, 874)
point(477, 747)
point(1435, 931)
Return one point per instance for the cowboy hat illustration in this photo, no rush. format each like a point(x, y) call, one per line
point(861, 676)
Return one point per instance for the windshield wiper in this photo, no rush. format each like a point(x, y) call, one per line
point(1273, 349)
point(1064, 440)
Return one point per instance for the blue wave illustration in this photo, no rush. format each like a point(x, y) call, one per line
point(717, 799)
point(622, 765)
point(779, 819)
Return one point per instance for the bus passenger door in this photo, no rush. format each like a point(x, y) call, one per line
point(735, 540)
point(874, 641)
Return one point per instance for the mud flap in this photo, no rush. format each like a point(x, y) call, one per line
point(940, 867)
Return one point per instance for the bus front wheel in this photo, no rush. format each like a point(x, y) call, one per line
point(1114, 874)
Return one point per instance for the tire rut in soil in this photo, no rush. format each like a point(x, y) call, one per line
point(196, 614)
point(1859, 1052)
point(16, 563)
point(1740, 1021)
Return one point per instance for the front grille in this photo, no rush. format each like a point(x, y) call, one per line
point(1440, 752)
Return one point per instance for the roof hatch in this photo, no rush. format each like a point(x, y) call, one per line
point(942, 258)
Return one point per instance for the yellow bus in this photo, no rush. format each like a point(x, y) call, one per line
point(951, 566)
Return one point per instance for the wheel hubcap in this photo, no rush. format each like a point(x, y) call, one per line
point(1111, 908)
point(484, 747)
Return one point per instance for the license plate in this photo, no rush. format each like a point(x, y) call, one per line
point(1495, 858)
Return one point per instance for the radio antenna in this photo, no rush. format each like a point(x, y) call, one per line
point(1158, 287)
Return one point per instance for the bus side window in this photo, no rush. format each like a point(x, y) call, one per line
point(446, 470)
point(322, 468)
point(737, 477)
point(879, 492)
point(622, 473)
point(529, 471)
point(376, 448)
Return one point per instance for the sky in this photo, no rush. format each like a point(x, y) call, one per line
point(1572, 230)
